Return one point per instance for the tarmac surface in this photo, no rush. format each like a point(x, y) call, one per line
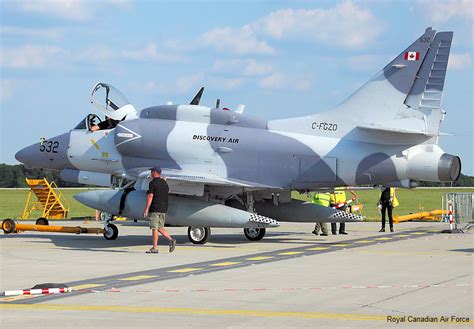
point(290, 279)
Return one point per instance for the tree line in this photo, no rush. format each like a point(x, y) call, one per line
point(14, 176)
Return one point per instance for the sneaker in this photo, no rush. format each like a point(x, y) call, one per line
point(382, 230)
point(152, 251)
point(324, 234)
point(334, 233)
point(391, 229)
point(345, 233)
point(314, 232)
point(172, 245)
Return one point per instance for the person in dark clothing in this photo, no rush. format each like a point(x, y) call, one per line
point(386, 204)
point(156, 208)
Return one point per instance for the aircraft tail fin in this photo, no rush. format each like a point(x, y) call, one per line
point(427, 90)
point(410, 86)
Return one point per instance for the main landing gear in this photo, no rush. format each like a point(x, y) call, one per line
point(254, 234)
point(200, 235)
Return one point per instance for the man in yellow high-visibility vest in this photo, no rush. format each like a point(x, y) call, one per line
point(338, 198)
point(321, 199)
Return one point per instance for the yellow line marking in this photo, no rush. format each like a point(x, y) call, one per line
point(185, 270)
point(139, 277)
point(225, 264)
point(318, 248)
point(363, 241)
point(291, 253)
point(19, 297)
point(418, 233)
point(383, 239)
point(402, 235)
point(95, 144)
point(86, 286)
point(259, 258)
point(403, 253)
point(194, 311)
point(340, 245)
point(202, 311)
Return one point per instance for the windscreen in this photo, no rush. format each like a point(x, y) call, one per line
point(108, 98)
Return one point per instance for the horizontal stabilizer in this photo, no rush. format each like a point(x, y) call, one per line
point(400, 127)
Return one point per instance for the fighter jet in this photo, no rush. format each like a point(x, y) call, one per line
point(229, 169)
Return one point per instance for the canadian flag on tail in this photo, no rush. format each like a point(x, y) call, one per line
point(412, 55)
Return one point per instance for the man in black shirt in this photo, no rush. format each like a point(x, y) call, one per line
point(156, 208)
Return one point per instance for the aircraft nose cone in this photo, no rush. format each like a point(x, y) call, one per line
point(27, 155)
point(50, 154)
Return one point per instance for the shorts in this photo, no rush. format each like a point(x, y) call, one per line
point(157, 220)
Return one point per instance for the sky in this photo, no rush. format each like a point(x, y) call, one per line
point(280, 58)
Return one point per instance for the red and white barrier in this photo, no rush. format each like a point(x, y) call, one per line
point(451, 216)
point(45, 291)
point(342, 204)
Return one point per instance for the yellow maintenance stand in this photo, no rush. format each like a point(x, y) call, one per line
point(50, 202)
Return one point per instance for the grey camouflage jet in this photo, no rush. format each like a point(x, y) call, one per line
point(229, 169)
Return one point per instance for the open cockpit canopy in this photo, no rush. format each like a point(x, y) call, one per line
point(110, 101)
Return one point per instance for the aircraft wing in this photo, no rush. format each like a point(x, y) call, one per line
point(209, 179)
point(193, 178)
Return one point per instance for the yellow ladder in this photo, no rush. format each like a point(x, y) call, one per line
point(50, 200)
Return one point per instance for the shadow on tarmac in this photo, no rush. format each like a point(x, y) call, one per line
point(94, 242)
point(468, 250)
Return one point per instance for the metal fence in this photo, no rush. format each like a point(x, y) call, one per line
point(461, 206)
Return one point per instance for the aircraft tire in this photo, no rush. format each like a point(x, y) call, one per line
point(42, 221)
point(199, 235)
point(254, 234)
point(8, 226)
point(111, 232)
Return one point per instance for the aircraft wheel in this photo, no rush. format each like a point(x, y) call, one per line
point(8, 226)
point(111, 232)
point(42, 221)
point(198, 235)
point(254, 234)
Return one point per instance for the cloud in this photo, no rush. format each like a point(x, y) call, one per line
point(346, 25)
point(459, 61)
point(96, 54)
point(236, 40)
point(187, 83)
point(76, 10)
point(368, 62)
point(151, 53)
point(246, 67)
point(30, 56)
point(443, 10)
point(226, 83)
point(7, 89)
point(43, 33)
point(280, 80)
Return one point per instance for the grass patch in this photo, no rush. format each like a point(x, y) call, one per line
point(12, 201)
point(411, 201)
